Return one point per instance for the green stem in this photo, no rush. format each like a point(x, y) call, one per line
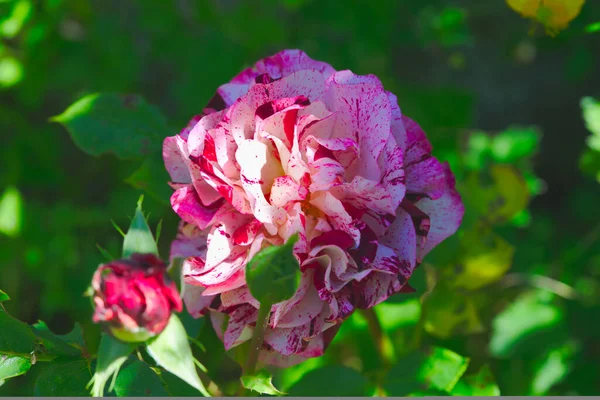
point(38, 356)
point(256, 342)
point(383, 343)
point(257, 339)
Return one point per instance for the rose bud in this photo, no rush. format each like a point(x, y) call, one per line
point(134, 297)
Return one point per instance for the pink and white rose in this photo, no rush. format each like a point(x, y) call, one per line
point(293, 146)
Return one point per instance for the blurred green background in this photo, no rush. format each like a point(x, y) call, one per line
point(517, 290)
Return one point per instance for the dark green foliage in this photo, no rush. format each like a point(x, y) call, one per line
point(273, 274)
point(516, 290)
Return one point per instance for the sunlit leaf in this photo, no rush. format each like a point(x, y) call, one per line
point(591, 115)
point(139, 237)
point(138, 379)
point(11, 25)
point(11, 72)
point(478, 149)
point(124, 125)
point(482, 383)
point(287, 377)
point(11, 366)
point(437, 368)
point(332, 380)
point(527, 324)
point(274, 273)
point(261, 382)
point(3, 296)
point(397, 315)
point(11, 212)
point(112, 354)
point(514, 143)
point(171, 350)
point(591, 28)
point(552, 369)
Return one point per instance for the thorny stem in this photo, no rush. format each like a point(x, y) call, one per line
point(257, 340)
point(383, 343)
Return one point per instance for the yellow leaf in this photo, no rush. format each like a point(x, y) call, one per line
point(527, 8)
point(485, 258)
point(450, 313)
point(497, 194)
point(555, 15)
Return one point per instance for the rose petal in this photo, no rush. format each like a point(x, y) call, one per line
point(186, 204)
point(445, 214)
point(238, 328)
point(364, 113)
point(276, 66)
point(195, 303)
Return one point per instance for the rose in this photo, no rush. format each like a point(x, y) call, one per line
point(134, 298)
point(292, 146)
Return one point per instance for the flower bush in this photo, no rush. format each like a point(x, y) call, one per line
point(293, 146)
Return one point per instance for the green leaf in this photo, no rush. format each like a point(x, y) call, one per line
point(496, 193)
point(11, 72)
point(591, 115)
point(171, 350)
point(399, 314)
point(152, 177)
point(514, 143)
point(221, 368)
point(478, 150)
point(11, 25)
point(63, 378)
point(11, 212)
point(124, 125)
point(485, 257)
point(53, 344)
point(261, 382)
point(3, 296)
point(593, 27)
point(274, 273)
point(11, 366)
point(16, 337)
point(438, 369)
point(192, 325)
point(552, 368)
point(449, 312)
point(526, 325)
point(589, 163)
point(332, 380)
point(139, 238)
point(75, 337)
point(288, 377)
point(176, 387)
point(481, 384)
point(138, 379)
point(112, 354)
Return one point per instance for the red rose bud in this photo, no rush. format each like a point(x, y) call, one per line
point(134, 297)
